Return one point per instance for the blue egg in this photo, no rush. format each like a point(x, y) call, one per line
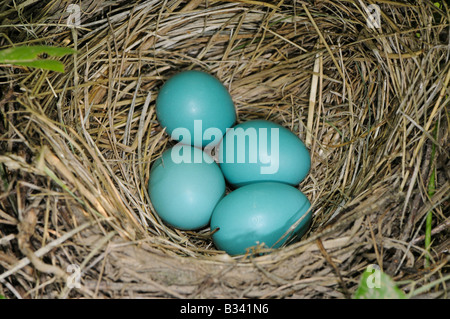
point(259, 213)
point(184, 187)
point(195, 108)
point(262, 151)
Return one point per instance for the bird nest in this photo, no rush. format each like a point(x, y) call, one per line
point(365, 86)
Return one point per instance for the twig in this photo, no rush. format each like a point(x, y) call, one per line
point(426, 287)
point(44, 250)
point(434, 231)
point(332, 264)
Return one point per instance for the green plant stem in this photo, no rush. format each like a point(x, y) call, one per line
point(431, 191)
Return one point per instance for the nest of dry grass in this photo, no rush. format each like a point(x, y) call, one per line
point(76, 148)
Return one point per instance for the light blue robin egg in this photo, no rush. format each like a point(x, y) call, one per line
point(184, 187)
point(262, 151)
point(195, 108)
point(260, 213)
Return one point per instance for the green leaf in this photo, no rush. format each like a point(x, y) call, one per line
point(375, 284)
point(51, 65)
point(24, 53)
point(2, 297)
point(29, 56)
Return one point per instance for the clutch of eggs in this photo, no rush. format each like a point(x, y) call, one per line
point(262, 160)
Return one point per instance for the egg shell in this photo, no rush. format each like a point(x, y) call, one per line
point(191, 96)
point(184, 187)
point(262, 151)
point(259, 213)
